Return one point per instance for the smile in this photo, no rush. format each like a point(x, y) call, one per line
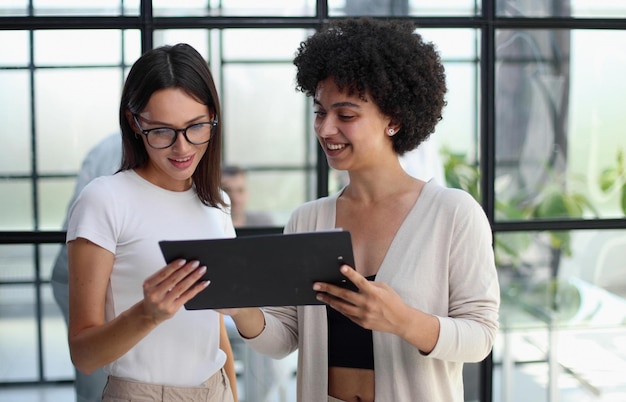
point(334, 147)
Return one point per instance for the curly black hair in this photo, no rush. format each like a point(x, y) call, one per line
point(386, 59)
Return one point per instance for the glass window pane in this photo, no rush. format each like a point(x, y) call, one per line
point(563, 296)
point(18, 333)
point(56, 353)
point(456, 135)
point(562, 8)
point(14, 48)
point(559, 123)
point(76, 47)
point(14, 8)
point(54, 196)
point(198, 38)
point(528, 260)
point(453, 44)
point(71, 124)
point(533, 8)
point(47, 256)
point(264, 116)
point(16, 205)
point(281, 8)
point(276, 192)
point(351, 8)
point(90, 8)
point(172, 8)
point(444, 7)
point(251, 44)
point(598, 9)
point(279, 192)
point(597, 120)
point(16, 263)
point(15, 126)
point(132, 45)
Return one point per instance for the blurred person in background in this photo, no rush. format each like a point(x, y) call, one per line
point(234, 183)
point(102, 160)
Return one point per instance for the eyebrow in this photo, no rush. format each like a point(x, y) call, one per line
point(339, 104)
point(188, 122)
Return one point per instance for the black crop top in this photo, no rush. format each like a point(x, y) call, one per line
point(349, 344)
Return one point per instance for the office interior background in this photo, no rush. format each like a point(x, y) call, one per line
point(533, 128)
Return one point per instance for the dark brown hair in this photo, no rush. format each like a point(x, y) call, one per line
point(178, 66)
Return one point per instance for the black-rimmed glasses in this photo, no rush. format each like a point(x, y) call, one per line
point(165, 137)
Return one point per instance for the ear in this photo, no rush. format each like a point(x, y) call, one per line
point(392, 129)
point(131, 120)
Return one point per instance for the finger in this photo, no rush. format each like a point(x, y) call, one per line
point(340, 291)
point(192, 292)
point(353, 276)
point(343, 306)
point(177, 276)
point(162, 274)
point(185, 280)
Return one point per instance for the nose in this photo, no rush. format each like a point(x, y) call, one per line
point(325, 127)
point(181, 141)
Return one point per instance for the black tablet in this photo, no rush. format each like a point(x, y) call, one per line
point(264, 270)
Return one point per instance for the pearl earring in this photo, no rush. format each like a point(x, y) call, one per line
point(392, 131)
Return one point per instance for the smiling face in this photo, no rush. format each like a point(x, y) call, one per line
point(352, 131)
point(171, 168)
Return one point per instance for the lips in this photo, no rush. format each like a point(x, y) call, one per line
point(181, 163)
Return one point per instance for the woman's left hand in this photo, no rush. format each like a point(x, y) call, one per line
point(378, 307)
point(374, 306)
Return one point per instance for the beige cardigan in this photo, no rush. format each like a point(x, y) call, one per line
point(443, 248)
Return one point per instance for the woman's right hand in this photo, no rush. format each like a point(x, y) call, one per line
point(166, 291)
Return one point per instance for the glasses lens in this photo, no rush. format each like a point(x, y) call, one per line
point(161, 138)
point(199, 133)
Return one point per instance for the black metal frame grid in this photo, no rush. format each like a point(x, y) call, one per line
point(487, 23)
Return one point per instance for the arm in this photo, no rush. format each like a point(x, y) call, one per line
point(229, 366)
point(94, 342)
point(250, 322)
point(378, 307)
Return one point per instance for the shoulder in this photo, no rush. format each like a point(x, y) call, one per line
point(452, 204)
point(108, 182)
point(314, 207)
point(313, 215)
point(447, 197)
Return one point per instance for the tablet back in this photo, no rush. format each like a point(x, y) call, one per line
point(264, 270)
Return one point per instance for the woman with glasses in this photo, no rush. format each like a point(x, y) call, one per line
point(428, 293)
point(125, 304)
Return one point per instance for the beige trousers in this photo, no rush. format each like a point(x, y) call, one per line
point(215, 389)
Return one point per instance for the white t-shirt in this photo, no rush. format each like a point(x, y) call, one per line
point(128, 216)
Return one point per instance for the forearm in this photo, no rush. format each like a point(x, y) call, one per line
point(250, 322)
point(419, 329)
point(92, 348)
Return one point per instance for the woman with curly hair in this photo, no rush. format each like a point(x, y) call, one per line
point(428, 294)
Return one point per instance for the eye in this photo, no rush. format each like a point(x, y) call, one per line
point(320, 113)
point(345, 117)
point(161, 131)
point(197, 127)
